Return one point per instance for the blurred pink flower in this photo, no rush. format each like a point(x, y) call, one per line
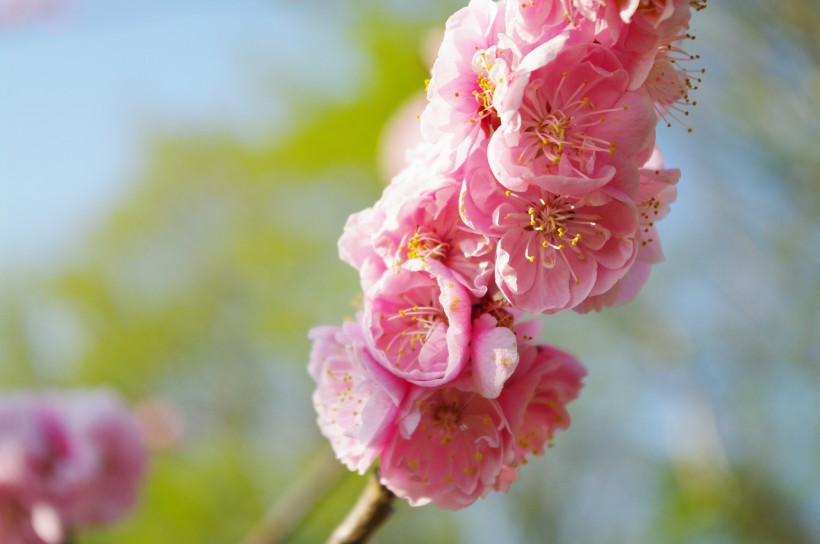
point(18, 13)
point(67, 460)
point(400, 134)
point(108, 433)
point(48, 459)
point(23, 521)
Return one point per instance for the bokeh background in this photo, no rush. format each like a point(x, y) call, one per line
point(173, 180)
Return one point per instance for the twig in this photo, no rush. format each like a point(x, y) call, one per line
point(371, 510)
point(296, 503)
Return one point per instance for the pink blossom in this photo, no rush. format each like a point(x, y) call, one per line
point(497, 339)
point(534, 22)
point(628, 24)
point(639, 31)
point(573, 125)
point(666, 83)
point(425, 233)
point(555, 250)
point(355, 398)
point(535, 398)
point(537, 163)
point(578, 10)
point(454, 444)
point(450, 449)
point(656, 191)
point(494, 355)
point(419, 325)
point(357, 245)
point(669, 82)
point(460, 112)
point(659, 15)
point(479, 194)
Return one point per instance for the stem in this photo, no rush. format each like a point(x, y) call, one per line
point(296, 503)
point(371, 510)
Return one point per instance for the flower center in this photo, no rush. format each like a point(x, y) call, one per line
point(446, 418)
point(426, 244)
point(485, 95)
point(483, 63)
point(416, 324)
point(496, 307)
point(552, 131)
point(557, 132)
point(558, 222)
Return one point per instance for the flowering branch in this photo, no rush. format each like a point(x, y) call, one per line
point(371, 510)
point(536, 188)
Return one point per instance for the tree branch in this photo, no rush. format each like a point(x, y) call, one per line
point(371, 510)
point(296, 503)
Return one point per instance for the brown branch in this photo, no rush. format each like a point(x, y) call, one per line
point(371, 510)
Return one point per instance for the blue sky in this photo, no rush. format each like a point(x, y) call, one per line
point(82, 92)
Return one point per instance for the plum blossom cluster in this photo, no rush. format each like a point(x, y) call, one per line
point(536, 189)
point(67, 461)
